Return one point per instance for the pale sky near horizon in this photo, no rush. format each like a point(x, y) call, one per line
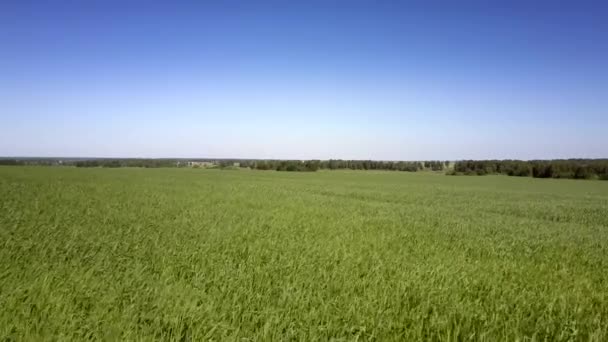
point(304, 79)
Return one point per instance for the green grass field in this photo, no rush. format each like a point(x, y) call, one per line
point(186, 254)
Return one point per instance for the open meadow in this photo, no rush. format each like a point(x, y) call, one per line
point(193, 254)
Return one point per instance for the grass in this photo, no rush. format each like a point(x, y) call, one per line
point(185, 254)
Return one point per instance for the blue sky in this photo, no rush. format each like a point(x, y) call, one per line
point(304, 79)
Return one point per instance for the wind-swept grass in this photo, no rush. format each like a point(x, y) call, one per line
point(184, 254)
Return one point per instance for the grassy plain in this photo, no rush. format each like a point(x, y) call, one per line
point(186, 254)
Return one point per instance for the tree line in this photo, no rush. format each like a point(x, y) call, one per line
point(149, 163)
point(268, 164)
point(559, 168)
point(337, 164)
point(28, 161)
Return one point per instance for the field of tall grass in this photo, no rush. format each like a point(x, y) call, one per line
point(186, 254)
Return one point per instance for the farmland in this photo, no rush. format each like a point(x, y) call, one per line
point(189, 254)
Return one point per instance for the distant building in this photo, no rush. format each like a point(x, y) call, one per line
point(199, 164)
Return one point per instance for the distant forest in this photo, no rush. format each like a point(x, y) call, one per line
point(561, 168)
point(336, 164)
point(278, 165)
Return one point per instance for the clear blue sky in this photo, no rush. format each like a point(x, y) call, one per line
point(304, 79)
